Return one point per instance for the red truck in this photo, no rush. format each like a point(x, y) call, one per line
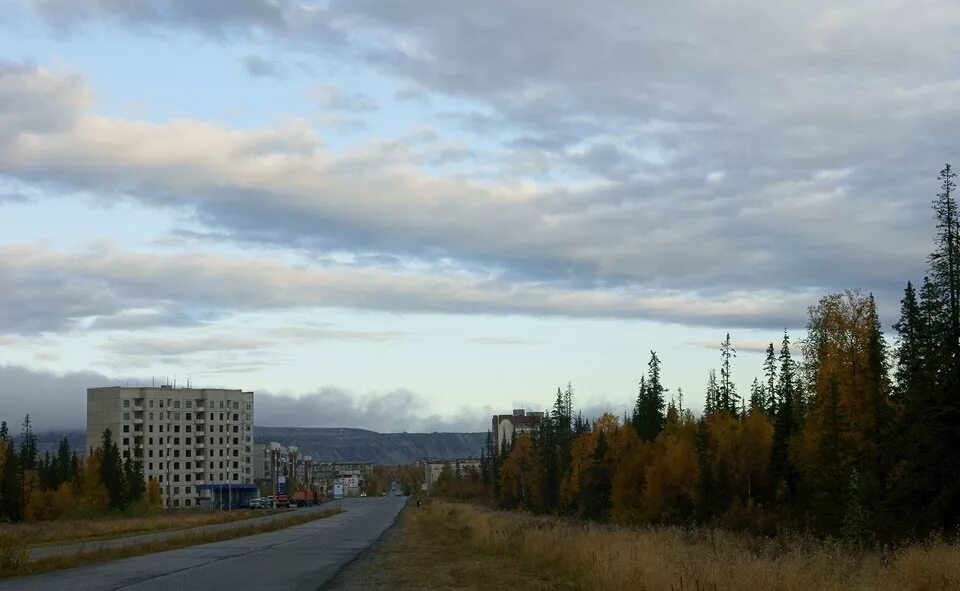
point(282, 501)
point(305, 498)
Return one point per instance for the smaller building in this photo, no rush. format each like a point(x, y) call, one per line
point(281, 469)
point(504, 427)
point(433, 467)
point(350, 474)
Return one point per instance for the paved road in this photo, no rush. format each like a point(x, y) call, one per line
point(299, 557)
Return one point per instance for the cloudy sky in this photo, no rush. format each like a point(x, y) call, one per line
point(407, 215)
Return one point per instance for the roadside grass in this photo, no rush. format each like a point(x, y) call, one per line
point(425, 551)
point(14, 561)
point(71, 531)
point(468, 547)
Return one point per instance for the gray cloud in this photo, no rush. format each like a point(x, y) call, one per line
point(104, 282)
point(260, 67)
point(332, 98)
point(500, 341)
point(824, 132)
point(58, 401)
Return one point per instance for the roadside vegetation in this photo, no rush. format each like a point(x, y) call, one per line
point(463, 546)
point(14, 559)
point(83, 530)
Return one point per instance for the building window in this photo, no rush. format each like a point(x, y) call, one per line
point(126, 441)
point(236, 417)
point(247, 449)
point(221, 441)
point(221, 467)
point(176, 441)
point(176, 453)
point(126, 428)
point(176, 465)
point(221, 406)
point(150, 452)
point(160, 478)
point(176, 428)
point(187, 453)
point(150, 466)
point(189, 415)
point(221, 415)
point(160, 429)
point(150, 415)
point(126, 416)
point(187, 440)
point(236, 477)
point(176, 416)
point(186, 502)
point(126, 454)
point(236, 452)
point(176, 478)
point(151, 428)
point(211, 467)
point(187, 478)
point(186, 490)
point(236, 405)
point(235, 466)
point(211, 441)
point(126, 404)
point(189, 428)
point(161, 404)
point(176, 404)
point(189, 403)
point(176, 490)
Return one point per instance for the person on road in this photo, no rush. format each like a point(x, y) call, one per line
point(418, 502)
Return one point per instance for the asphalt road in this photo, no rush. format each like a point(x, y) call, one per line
point(299, 557)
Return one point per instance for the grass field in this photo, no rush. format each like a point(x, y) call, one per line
point(13, 560)
point(44, 533)
point(458, 546)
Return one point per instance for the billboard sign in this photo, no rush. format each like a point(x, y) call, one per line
point(351, 482)
point(337, 490)
point(281, 485)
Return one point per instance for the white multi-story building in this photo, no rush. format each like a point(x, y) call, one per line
point(189, 437)
point(274, 463)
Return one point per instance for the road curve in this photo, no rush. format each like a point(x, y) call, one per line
point(300, 557)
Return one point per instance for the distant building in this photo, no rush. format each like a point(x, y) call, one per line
point(504, 427)
point(281, 469)
point(352, 475)
point(191, 440)
point(433, 467)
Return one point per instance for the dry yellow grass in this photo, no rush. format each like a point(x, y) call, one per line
point(43, 533)
point(613, 559)
point(13, 559)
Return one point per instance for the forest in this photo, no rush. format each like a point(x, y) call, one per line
point(845, 435)
point(64, 485)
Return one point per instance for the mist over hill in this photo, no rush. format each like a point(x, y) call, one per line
point(334, 444)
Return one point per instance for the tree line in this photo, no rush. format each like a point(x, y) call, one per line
point(856, 439)
point(63, 485)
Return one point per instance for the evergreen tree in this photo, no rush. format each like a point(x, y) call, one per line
point(595, 494)
point(712, 402)
point(65, 465)
point(770, 374)
point(758, 401)
point(28, 446)
point(729, 401)
point(785, 424)
point(111, 470)
point(11, 505)
point(648, 417)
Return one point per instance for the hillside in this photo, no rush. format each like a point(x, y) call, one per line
point(338, 444)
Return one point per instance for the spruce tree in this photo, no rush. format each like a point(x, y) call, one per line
point(711, 404)
point(111, 470)
point(11, 505)
point(758, 402)
point(64, 462)
point(770, 374)
point(785, 424)
point(648, 415)
point(729, 401)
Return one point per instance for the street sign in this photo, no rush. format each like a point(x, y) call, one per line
point(282, 485)
point(338, 491)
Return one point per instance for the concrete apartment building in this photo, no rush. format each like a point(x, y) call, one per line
point(433, 467)
point(193, 440)
point(505, 426)
point(274, 463)
point(350, 474)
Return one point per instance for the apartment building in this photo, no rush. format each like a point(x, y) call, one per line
point(433, 467)
point(188, 437)
point(274, 463)
point(521, 421)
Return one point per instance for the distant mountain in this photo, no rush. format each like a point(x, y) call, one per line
point(327, 444)
point(344, 445)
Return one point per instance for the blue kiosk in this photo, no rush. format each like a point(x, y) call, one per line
point(230, 495)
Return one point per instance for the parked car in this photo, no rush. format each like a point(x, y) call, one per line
point(258, 503)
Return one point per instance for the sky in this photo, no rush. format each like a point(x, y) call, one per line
point(408, 216)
